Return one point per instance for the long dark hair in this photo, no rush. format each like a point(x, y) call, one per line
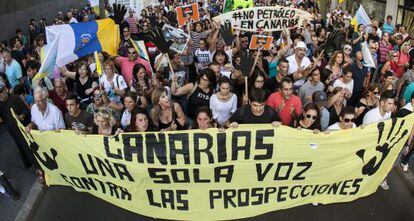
point(134, 112)
point(206, 110)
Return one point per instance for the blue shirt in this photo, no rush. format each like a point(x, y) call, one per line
point(358, 75)
point(408, 92)
point(13, 73)
point(388, 28)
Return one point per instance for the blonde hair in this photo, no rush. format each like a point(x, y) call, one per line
point(155, 98)
point(333, 58)
point(106, 114)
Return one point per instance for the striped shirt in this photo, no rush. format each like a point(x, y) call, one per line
point(383, 51)
point(195, 38)
point(132, 25)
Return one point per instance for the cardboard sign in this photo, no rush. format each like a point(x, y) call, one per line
point(187, 13)
point(178, 36)
point(269, 19)
point(260, 41)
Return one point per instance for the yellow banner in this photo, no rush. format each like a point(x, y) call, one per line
point(195, 175)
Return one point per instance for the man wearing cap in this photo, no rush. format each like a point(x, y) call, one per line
point(321, 100)
point(12, 101)
point(299, 64)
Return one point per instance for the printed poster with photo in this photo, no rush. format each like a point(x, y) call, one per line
point(179, 37)
point(187, 13)
point(259, 41)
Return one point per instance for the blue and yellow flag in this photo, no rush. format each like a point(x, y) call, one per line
point(48, 55)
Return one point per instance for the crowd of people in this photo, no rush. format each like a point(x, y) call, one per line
point(312, 77)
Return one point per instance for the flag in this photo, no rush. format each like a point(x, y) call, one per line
point(142, 50)
point(340, 1)
point(98, 64)
point(232, 5)
point(48, 56)
point(94, 3)
point(367, 56)
point(82, 39)
point(361, 17)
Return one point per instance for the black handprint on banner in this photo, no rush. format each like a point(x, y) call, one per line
point(48, 162)
point(384, 147)
point(119, 13)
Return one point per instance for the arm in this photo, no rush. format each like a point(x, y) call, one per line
point(182, 120)
point(63, 70)
point(182, 90)
point(144, 102)
point(212, 40)
point(89, 90)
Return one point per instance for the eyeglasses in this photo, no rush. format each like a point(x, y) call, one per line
point(349, 120)
point(310, 116)
point(205, 79)
point(260, 82)
point(376, 93)
point(348, 49)
point(97, 95)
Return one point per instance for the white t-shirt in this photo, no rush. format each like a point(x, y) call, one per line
point(374, 116)
point(349, 86)
point(336, 126)
point(222, 111)
point(118, 82)
point(125, 119)
point(51, 120)
point(293, 67)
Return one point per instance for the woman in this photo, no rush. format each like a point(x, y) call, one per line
point(166, 114)
point(84, 83)
point(202, 55)
point(100, 100)
point(220, 57)
point(139, 121)
point(335, 104)
point(114, 85)
point(199, 93)
point(369, 100)
point(333, 70)
point(309, 119)
point(273, 59)
point(391, 64)
point(130, 103)
point(256, 81)
point(204, 119)
point(223, 103)
point(104, 123)
point(347, 55)
point(403, 61)
point(346, 82)
point(384, 48)
point(141, 83)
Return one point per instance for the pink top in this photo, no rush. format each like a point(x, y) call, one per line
point(127, 66)
point(274, 101)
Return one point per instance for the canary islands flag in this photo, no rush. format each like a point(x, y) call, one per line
point(142, 50)
point(48, 54)
point(81, 39)
point(361, 17)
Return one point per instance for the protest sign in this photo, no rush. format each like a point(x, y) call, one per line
point(187, 13)
point(230, 5)
point(272, 18)
point(212, 175)
point(260, 41)
point(178, 36)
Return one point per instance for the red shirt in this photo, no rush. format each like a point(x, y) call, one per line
point(276, 98)
point(58, 102)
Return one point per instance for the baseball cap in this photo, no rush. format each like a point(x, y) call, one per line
point(320, 98)
point(300, 44)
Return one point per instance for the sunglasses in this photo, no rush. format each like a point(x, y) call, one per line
point(376, 93)
point(348, 49)
point(349, 120)
point(132, 52)
point(97, 95)
point(313, 117)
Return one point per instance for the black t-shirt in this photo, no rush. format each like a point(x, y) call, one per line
point(244, 115)
point(272, 85)
point(13, 102)
point(81, 88)
point(83, 121)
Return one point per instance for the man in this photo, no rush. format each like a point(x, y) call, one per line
point(409, 152)
point(58, 95)
point(321, 100)
point(346, 119)
point(256, 112)
point(285, 103)
point(273, 84)
point(381, 113)
point(12, 101)
point(77, 119)
point(388, 27)
point(127, 64)
point(132, 22)
point(359, 74)
point(31, 84)
point(71, 18)
point(312, 85)
point(45, 116)
point(374, 35)
point(13, 69)
point(299, 64)
point(125, 42)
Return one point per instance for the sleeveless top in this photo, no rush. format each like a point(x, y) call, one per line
point(81, 88)
point(162, 125)
point(198, 99)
